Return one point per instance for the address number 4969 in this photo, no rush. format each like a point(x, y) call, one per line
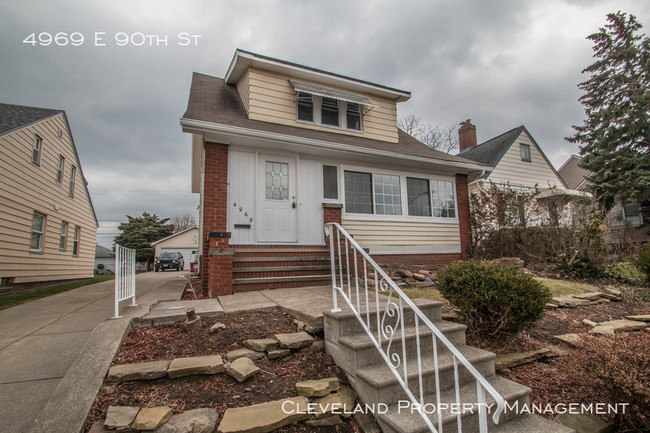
point(61, 39)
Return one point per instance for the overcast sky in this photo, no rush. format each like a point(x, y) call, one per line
point(500, 63)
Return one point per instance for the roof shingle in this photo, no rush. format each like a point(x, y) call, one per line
point(16, 116)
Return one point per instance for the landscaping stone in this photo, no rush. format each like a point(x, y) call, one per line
point(195, 365)
point(99, 427)
point(262, 345)
point(423, 284)
point(602, 330)
point(514, 359)
point(348, 397)
point(583, 423)
point(424, 272)
point(138, 371)
point(558, 351)
point(194, 324)
point(242, 369)
point(329, 421)
point(639, 318)
point(404, 273)
point(601, 301)
point(294, 340)
point(317, 388)
point(150, 418)
point(419, 277)
point(279, 353)
point(570, 339)
point(589, 323)
point(328, 404)
point(589, 296)
point(550, 306)
point(264, 417)
point(244, 353)
point(612, 293)
point(366, 422)
point(120, 417)
point(566, 301)
point(217, 327)
point(624, 325)
point(202, 420)
point(302, 326)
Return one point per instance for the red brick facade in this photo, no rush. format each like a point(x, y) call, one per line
point(215, 210)
point(464, 222)
point(466, 135)
point(332, 213)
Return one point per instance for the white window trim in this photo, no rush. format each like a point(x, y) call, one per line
point(63, 236)
point(60, 169)
point(397, 218)
point(338, 183)
point(76, 241)
point(530, 155)
point(73, 181)
point(42, 233)
point(37, 139)
point(343, 119)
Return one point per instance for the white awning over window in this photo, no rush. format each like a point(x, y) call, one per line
point(315, 89)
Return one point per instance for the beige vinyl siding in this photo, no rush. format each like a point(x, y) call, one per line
point(243, 88)
point(368, 233)
point(271, 98)
point(26, 188)
point(512, 169)
point(189, 239)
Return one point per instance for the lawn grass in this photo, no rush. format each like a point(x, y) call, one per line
point(566, 287)
point(20, 298)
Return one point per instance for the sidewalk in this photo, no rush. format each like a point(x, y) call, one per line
point(40, 342)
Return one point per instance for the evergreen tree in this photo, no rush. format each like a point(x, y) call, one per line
point(139, 232)
point(614, 137)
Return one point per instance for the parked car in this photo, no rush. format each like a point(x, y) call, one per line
point(169, 260)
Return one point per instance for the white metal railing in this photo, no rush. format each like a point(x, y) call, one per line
point(124, 277)
point(387, 324)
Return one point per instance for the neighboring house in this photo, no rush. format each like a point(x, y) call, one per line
point(186, 242)
point(625, 222)
point(47, 221)
point(279, 149)
point(518, 162)
point(105, 256)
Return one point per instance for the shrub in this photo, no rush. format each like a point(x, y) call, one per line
point(642, 261)
point(495, 298)
point(617, 370)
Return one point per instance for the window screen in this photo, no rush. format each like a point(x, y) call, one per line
point(353, 114)
point(330, 182)
point(419, 198)
point(358, 192)
point(388, 198)
point(305, 107)
point(444, 203)
point(330, 112)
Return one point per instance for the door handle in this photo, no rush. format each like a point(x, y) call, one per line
point(293, 205)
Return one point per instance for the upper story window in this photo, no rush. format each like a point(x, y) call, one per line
point(59, 171)
point(37, 150)
point(524, 149)
point(73, 176)
point(330, 111)
point(75, 241)
point(305, 107)
point(38, 228)
point(353, 116)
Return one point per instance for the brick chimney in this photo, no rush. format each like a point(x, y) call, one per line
point(466, 135)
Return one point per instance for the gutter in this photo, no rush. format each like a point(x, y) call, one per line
point(226, 129)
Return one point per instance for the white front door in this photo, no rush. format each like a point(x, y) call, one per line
point(277, 198)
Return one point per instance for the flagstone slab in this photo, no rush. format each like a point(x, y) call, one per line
point(242, 369)
point(138, 371)
point(511, 360)
point(244, 353)
point(570, 339)
point(150, 418)
point(318, 387)
point(639, 318)
point(120, 417)
point(203, 420)
point(262, 345)
point(264, 417)
point(624, 325)
point(180, 367)
point(294, 340)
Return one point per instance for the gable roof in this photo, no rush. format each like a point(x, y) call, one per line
point(213, 101)
point(103, 252)
point(490, 152)
point(572, 174)
point(14, 117)
point(174, 235)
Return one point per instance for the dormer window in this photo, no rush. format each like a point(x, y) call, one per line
point(330, 112)
point(305, 107)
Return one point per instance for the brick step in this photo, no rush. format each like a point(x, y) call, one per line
point(294, 261)
point(281, 268)
point(297, 278)
point(279, 273)
point(280, 250)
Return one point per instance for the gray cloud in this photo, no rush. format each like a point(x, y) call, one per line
point(501, 63)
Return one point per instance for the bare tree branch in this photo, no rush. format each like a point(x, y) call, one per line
point(183, 221)
point(442, 139)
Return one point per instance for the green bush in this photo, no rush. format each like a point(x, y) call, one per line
point(495, 298)
point(642, 261)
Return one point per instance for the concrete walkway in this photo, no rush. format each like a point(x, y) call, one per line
point(40, 343)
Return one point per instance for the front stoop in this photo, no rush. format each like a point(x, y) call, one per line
point(354, 352)
point(262, 268)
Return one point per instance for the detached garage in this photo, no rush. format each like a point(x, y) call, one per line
point(185, 242)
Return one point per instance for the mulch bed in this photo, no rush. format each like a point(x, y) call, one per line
point(276, 380)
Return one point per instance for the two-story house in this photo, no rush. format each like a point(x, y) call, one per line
point(47, 221)
point(279, 149)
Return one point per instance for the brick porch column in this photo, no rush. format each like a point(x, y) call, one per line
point(464, 224)
point(220, 264)
point(215, 208)
point(332, 213)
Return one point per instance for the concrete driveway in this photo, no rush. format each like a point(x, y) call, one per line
point(40, 340)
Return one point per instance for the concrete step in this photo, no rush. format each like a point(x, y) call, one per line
point(281, 268)
point(348, 324)
point(356, 351)
point(322, 277)
point(282, 259)
point(404, 420)
point(377, 383)
point(288, 252)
